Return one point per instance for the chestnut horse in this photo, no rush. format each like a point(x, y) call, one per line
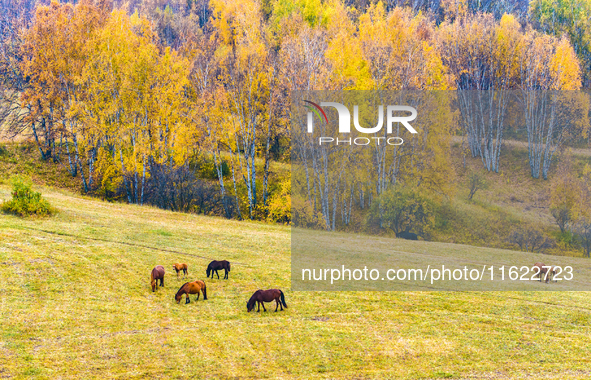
point(543, 271)
point(191, 288)
point(261, 296)
point(157, 274)
point(552, 273)
point(214, 266)
point(180, 267)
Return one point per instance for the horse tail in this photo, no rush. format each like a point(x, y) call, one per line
point(283, 299)
point(204, 291)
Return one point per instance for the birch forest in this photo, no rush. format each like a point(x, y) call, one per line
point(187, 104)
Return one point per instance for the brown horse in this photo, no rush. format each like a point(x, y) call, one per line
point(191, 288)
point(180, 267)
point(214, 266)
point(157, 274)
point(261, 296)
point(543, 271)
point(552, 273)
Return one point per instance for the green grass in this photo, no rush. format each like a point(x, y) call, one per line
point(76, 303)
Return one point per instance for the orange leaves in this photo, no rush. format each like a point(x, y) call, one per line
point(54, 56)
point(107, 85)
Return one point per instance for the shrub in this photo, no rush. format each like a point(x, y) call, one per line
point(280, 204)
point(25, 201)
point(303, 214)
point(583, 233)
point(529, 239)
point(566, 238)
point(206, 168)
point(476, 182)
point(402, 209)
point(178, 189)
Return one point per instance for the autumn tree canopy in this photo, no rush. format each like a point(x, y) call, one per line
point(118, 92)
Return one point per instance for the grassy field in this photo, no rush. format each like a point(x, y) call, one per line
point(324, 252)
point(75, 303)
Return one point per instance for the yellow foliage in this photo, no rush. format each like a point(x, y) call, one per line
point(564, 67)
point(280, 204)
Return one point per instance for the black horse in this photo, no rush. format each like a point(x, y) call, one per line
point(214, 266)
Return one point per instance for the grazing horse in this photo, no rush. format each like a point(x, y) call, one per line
point(180, 267)
point(552, 273)
point(543, 271)
point(157, 274)
point(191, 288)
point(214, 266)
point(261, 296)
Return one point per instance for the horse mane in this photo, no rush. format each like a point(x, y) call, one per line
point(180, 289)
point(252, 299)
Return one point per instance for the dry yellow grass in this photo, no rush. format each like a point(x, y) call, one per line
point(76, 303)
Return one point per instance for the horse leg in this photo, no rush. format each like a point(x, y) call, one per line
point(226, 276)
point(263, 303)
point(197, 299)
point(162, 281)
point(188, 299)
point(276, 304)
point(216, 272)
point(259, 306)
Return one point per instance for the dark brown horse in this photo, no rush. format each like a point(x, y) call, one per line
point(180, 267)
point(214, 266)
point(543, 271)
point(157, 274)
point(191, 288)
point(261, 296)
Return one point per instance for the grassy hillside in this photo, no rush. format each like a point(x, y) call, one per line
point(25, 159)
point(75, 303)
point(513, 200)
